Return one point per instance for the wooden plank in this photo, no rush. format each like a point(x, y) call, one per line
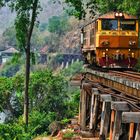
point(117, 125)
point(120, 106)
point(137, 137)
point(105, 119)
point(129, 117)
point(112, 124)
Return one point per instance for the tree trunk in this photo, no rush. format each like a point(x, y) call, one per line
point(27, 72)
point(27, 77)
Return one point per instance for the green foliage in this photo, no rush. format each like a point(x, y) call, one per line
point(11, 67)
point(47, 90)
point(13, 132)
point(38, 40)
point(10, 36)
point(103, 6)
point(39, 122)
point(50, 100)
point(77, 8)
point(53, 41)
point(73, 103)
point(5, 92)
point(58, 24)
point(74, 68)
point(69, 134)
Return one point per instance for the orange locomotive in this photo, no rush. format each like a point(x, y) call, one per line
point(111, 41)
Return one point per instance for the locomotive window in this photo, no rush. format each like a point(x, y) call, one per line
point(108, 24)
point(92, 37)
point(128, 25)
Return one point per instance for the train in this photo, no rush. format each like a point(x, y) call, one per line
point(111, 41)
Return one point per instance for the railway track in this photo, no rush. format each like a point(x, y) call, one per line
point(127, 74)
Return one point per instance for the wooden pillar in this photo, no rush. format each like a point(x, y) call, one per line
point(132, 117)
point(83, 110)
point(105, 116)
point(112, 124)
point(96, 107)
point(137, 137)
point(91, 111)
point(117, 125)
point(119, 107)
point(131, 131)
point(80, 107)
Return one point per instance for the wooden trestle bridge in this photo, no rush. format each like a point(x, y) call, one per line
point(109, 104)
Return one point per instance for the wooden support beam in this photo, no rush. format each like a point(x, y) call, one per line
point(91, 111)
point(131, 131)
point(95, 91)
point(80, 107)
point(120, 106)
point(137, 137)
point(132, 117)
point(112, 124)
point(83, 110)
point(129, 117)
point(117, 125)
point(105, 119)
point(106, 98)
point(96, 107)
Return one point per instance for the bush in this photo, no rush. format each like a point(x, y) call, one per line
point(13, 132)
point(69, 134)
point(39, 122)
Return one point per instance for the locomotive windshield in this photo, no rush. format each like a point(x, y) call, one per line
point(128, 25)
point(109, 24)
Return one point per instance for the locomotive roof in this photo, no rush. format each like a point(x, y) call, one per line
point(111, 15)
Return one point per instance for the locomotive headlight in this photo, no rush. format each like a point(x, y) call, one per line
point(120, 14)
point(117, 14)
point(133, 54)
point(103, 54)
point(132, 43)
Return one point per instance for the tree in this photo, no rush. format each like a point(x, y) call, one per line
point(103, 6)
point(58, 24)
point(10, 36)
point(27, 11)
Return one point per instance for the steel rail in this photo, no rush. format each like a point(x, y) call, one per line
point(126, 75)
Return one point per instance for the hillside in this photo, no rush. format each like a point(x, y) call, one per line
point(49, 9)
